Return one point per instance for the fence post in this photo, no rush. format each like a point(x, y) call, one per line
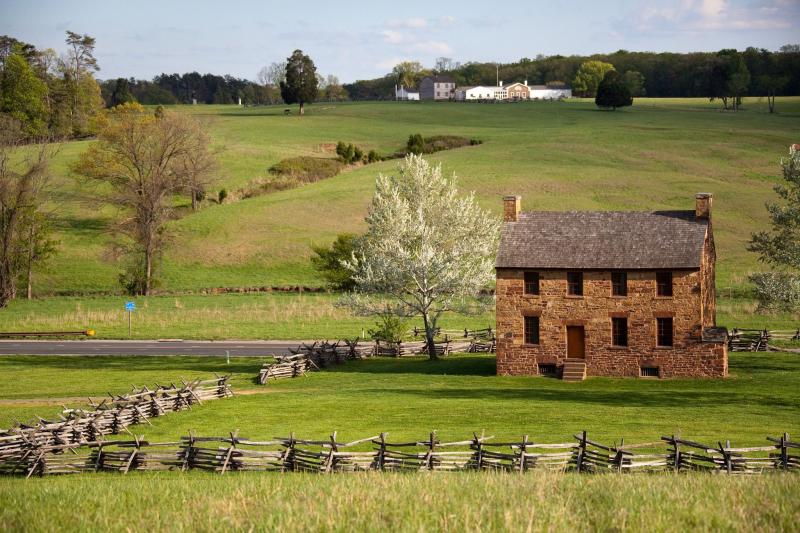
point(382, 453)
point(187, 452)
point(523, 447)
point(479, 449)
point(329, 461)
point(581, 450)
point(726, 456)
point(431, 449)
point(677, 460)
point(785, 451)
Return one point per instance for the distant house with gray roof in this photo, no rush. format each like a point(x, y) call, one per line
point(438, 87)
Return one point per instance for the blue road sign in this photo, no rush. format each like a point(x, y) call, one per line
point(130, 306)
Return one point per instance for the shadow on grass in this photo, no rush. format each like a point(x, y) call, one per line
point(165, 364)
point(649, 397)
point(461, 365)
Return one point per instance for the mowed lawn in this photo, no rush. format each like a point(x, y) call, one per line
point(557, 155)
point(410, 397)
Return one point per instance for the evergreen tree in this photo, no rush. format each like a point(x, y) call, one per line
point(300, 86)
point(613, 92)
point(121, 93)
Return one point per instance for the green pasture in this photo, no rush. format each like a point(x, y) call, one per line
point(409, 397)
point(557, 155)
point(538, 501)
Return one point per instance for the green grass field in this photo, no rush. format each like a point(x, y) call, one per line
point(411, 396)
point(414, 502)
point(408, 398)
point(558, 155)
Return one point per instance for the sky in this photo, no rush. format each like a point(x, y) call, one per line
point(362, 40)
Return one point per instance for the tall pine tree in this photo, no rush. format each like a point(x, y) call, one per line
point(300, 85)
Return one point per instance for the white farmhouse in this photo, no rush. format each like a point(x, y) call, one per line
point(401, 93)
point(513, 91)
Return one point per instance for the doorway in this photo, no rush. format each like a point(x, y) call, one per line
point(576, 342)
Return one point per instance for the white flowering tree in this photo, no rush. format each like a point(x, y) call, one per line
point(427, 251)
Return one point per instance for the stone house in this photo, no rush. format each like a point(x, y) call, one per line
point(608, 294)
point(437, 88)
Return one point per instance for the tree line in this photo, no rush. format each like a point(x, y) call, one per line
point(191, 87)
point(50, 94)
point(666, 74)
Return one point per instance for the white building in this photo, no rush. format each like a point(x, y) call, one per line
point(513, 91)
point(549, 92)
point(479, 92)
point(401, 93)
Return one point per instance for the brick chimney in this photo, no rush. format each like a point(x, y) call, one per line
point(702, 206)
point(511, 206)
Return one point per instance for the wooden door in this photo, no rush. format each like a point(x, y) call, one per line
point(576, 342)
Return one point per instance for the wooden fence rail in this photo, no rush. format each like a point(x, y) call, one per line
point(375, 453)
point(43, 446)
point(758, 340)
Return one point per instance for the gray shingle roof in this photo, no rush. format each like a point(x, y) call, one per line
point(602, 240)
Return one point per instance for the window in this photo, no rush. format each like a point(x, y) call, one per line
point(532, 283)
point(649, 372)
point(575, 283)
point(548, 369)
point(531, 330)
point(619, 331)
point(663, 283)
point(619, 283)
point(664, 332)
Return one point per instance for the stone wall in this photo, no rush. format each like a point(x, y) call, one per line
point(688, 357)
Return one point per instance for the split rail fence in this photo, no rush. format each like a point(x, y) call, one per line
point(53, 445)
point(758, 340)
point(479, 453)
point(321, 354)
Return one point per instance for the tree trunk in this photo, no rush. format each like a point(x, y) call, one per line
point(429, 333)
point(194, 199)
point(30, 260)
point(302, 111)
point(771, 102)
point(148, 261)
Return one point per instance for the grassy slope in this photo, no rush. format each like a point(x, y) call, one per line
point(557, 155)
point(410, 397)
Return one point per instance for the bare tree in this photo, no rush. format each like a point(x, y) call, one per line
point(446, 64)
point(273, 74)
point(199, 164)
point(146, 160)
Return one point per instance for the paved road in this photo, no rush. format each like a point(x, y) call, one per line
point(100, 347)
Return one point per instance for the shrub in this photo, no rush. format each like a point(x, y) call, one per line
point(415, 144)
point(306, 169)
point(222, 195)
point(777, 291)
point(358, 154)
point(389, 328)
point(373, 156)
point(328, 261)
point(340, 149)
